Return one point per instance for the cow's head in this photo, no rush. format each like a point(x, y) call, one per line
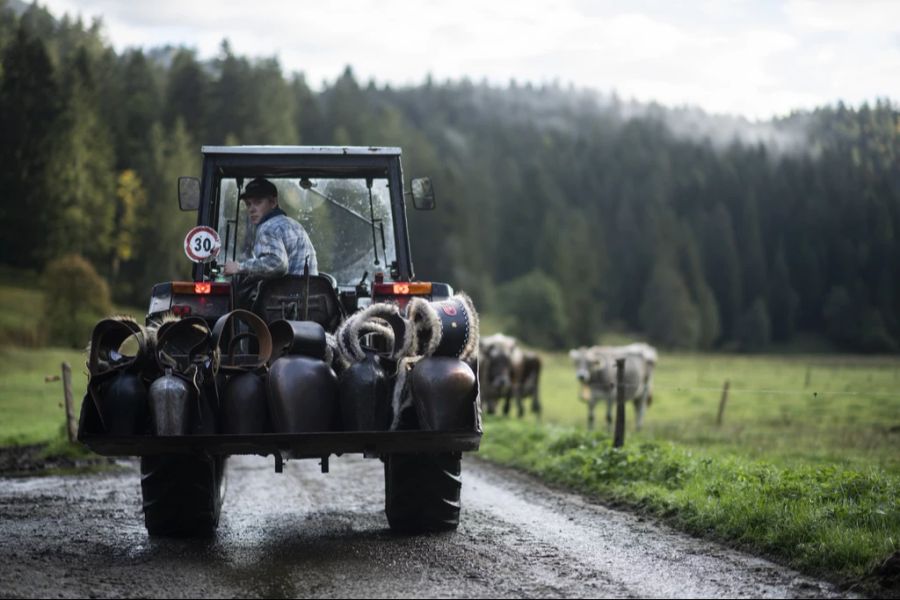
point(496, 355)
point(589, 364)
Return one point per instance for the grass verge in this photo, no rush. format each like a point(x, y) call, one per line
point(32, 411)
point(832, 522)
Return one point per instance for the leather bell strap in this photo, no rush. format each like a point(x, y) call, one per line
point(179, 343)
point(257, 329)
point(106, 341)
point(305, 338)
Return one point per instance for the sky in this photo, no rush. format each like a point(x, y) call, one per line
point(755, 58)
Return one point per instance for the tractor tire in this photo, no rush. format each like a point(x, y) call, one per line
point(422, 492)
point(182, 494)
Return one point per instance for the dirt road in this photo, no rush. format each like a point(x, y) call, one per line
point(304, 533)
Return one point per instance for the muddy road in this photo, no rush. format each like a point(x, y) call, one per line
point(304, 533)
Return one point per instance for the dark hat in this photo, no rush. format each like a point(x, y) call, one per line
point(260, 188)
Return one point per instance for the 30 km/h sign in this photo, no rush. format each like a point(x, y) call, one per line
point(202, 244)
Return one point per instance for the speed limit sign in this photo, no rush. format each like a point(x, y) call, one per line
point(202, 244)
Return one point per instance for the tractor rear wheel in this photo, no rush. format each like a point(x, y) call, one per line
point(422, 491)
point(182, 494)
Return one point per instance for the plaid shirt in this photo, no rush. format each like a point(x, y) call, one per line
point(281, 248)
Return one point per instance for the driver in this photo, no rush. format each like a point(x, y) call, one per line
point(281, 246)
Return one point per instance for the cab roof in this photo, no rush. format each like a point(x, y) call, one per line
point(309, 150)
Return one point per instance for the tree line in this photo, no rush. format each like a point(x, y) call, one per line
point(575, 213)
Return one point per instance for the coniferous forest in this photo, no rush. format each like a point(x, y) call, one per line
point(574, 211)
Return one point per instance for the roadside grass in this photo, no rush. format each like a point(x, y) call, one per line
point(32, 411)
point(835, 522)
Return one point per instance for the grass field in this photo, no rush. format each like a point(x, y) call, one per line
point(823, 409)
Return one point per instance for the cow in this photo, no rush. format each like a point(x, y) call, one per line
point(507, 371)
point(595, 368)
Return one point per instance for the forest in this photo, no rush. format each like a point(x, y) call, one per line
point(571, 211)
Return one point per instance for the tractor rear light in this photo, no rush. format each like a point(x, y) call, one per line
point(403, 288)
point(201, 288)
point(181, 310)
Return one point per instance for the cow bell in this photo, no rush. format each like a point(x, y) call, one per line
point(170, 405)
point(303, 395)
point(444, 391)
point(244, 406)
point(121, 401)
point(365, 396)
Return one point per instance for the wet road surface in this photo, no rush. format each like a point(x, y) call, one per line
point(308, 534)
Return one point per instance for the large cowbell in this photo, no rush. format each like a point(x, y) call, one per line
point(244, 406)
point(171, 398)
point(245, 346)
point(302, 389)
point(365, 393)
point(122, 403)
point(118, 396)
point(444, 390)
point(185, 399)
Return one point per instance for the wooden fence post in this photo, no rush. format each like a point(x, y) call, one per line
point(722, 403)
point(71, 421)
point(619, 439)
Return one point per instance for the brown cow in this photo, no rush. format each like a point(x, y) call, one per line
point(507, 371)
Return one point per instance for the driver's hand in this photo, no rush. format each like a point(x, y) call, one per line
point(232, 268)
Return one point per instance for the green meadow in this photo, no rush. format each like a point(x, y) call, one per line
point(32, 410)
point(804, 468)
point(793, 409)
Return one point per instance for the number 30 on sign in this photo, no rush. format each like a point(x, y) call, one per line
point(202, 244)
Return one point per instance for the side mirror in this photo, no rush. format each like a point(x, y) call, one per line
point(423, 193)
point(188, 193)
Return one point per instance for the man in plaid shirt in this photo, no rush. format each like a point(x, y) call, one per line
point(282, 246)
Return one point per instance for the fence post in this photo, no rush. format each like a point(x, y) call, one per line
point(722, 403)
point(71, 421)
point(619, 439)
point(808, 376)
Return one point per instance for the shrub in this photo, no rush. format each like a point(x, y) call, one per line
point(76, 297)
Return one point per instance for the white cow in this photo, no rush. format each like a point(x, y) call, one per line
point(595, 368)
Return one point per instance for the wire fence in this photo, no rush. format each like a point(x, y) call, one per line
point(774, 392)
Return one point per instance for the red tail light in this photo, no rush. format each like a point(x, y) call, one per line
point(200, 288)
point(403, 288)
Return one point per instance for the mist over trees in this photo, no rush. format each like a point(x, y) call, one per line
point(607, 213)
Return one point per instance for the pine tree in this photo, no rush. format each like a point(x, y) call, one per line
point(30, 109)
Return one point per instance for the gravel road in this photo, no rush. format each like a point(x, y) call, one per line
point(308, 534)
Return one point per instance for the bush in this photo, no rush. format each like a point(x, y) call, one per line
point(535, 304)
point(76, 297)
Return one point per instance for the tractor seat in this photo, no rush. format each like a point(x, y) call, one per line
point(286, 298)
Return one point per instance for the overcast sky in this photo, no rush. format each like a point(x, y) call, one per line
point(756, 58)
